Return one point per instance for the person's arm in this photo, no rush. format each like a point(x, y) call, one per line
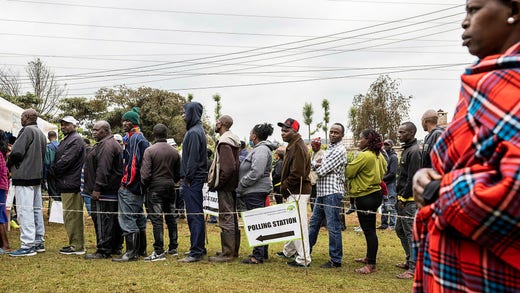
point(74, 151)
point(146, 168)
point(354, 167)
point(414, 164)
point(258, 160)
point(228, 163)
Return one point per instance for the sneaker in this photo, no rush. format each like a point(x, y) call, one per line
point(40, 248)
point(97, 255)
point(381, 227)
point(23, 252)
point(297, 265)
point(155, 257)
point(2, 251)
point(282, 255)
point(69, 250)
point(330, 265)
point(189, 259)
point(358, 229)
point(173, 252)
point(14, 225)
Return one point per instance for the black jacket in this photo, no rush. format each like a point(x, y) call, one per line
point(408, 166)
point(68, 163)
point(104, 168)
point(194, 164)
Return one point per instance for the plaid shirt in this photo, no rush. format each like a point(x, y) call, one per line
point(331, 173)
point(469, 239)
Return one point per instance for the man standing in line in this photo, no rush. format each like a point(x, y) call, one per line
point(388, 207)
point(330, 188)
point(130, 196)
point(26, 165)
point(103, 172)
point(66, 170)
point(296, 186)
point(223, 177)
point(429, 124)
point(50, 156)
point(159, 174)
point(194, 171)
point(406, 208)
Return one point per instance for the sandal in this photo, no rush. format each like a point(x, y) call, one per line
point(368, 269)
point(406, 275)
point(361, 260)
point(251, 261)
point(402, 265)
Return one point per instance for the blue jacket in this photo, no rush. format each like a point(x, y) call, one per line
point(135, 144)
point(194, 164)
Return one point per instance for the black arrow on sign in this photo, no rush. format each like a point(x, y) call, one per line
point(274, 236)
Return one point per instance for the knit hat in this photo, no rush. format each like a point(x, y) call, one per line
point(132, 116)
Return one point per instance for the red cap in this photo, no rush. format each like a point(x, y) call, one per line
point(290, 123)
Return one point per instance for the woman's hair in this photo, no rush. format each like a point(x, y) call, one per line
point(263, 131)
point(4, 143)
point(375, 140)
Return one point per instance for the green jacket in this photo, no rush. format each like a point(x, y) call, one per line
point(365, 173)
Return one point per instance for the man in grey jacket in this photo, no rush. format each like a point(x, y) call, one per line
point(26, 166)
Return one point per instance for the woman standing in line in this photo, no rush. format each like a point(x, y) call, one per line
point(365, 174)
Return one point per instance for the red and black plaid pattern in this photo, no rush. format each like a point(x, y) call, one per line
point(469, 239)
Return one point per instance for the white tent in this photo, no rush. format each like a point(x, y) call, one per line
point(10, 119)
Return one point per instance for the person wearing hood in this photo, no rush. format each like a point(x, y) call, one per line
point(194, 171)
point(223, 177)
point(255, 182)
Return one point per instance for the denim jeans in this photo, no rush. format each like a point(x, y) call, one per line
point(161, 201)
point(30, 215)
point(193, 200)
point(404, 229)
point(131, 213)
point(328, 207)
point(388, 207)
point(254, 201)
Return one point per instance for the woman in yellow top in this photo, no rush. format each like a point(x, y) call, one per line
point(365, 174)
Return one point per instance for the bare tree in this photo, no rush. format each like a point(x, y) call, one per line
point(9, 83)
point(308, 111)
point(46, 88)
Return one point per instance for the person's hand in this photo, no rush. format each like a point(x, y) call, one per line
point(420, 180)
point(96, 195)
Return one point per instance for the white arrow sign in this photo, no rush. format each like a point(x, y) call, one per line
point(278, 223)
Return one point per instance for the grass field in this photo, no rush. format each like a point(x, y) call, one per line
point(53, 272)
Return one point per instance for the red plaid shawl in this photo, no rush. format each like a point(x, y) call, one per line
point(469, 239)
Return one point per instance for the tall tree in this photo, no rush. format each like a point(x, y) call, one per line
point(308, 111)
point(9, 83)
point(45, 86)
point(190, 97)
point(218, 106)
point(383, 108)
point(326, 118)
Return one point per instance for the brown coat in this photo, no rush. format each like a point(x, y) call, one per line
point(295, 169)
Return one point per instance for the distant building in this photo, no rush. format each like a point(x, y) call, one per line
point(443, 118)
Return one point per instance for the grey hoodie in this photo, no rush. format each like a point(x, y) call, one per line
point(255, 169)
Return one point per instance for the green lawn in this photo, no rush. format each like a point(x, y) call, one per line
point(53, 272)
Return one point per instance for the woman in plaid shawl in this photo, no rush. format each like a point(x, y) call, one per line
point(467, 234)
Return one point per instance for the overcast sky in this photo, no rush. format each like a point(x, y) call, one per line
point(266, 59)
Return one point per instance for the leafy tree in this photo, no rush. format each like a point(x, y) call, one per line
point(46, 88)
point(218, 107)
point(383, 108)
point(307, 116)
point(326, 118)
point(190, 97)
point(87, 111)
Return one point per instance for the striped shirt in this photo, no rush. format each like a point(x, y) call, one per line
point(331, 173)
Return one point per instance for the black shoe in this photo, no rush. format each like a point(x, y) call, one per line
point(282, 255)
point(381, 227)
point(330, 265)
point(97, 255)
point(297, 265)
point(189, 259)
point(251, 261)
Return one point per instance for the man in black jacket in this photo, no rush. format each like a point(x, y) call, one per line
point(67, 173)
point(429, 124)
point(406, 208)
point(103, 172)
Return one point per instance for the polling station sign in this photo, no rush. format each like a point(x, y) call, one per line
point(209, 201)
point(278, 223)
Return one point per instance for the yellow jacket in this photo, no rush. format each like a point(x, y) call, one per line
point(365, 173)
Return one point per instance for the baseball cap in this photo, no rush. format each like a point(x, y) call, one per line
point(118, 137)
point(171, 141)
point(69, 119)
point(290, 123)
point(388, 142)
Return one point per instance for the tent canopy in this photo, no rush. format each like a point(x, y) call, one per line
point(10, 115)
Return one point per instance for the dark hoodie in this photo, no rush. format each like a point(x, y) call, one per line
point(194, 164)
